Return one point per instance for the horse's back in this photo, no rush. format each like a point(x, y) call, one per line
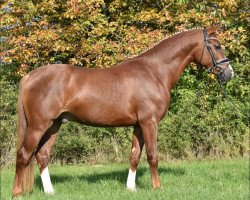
point(45, 72)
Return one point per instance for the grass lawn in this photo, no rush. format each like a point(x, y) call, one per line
point(220, 179)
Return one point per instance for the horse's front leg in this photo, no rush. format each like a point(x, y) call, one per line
point(137, 145)
point(149, 130)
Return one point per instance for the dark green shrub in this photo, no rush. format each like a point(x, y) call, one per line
point(79, 143)
point(8, 121)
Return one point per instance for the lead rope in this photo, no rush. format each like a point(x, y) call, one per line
point(233, 106)
point(223, 90)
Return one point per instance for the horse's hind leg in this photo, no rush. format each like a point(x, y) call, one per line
point(43, 155)
point(137, 145)
point(24, 163)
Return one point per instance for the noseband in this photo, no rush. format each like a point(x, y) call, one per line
point(216, 64)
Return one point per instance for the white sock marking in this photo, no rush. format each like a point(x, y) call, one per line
point(47, 185)
point(131, 180)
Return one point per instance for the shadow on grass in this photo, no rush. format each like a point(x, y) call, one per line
point(119, 175)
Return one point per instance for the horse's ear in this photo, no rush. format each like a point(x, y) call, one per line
point(212, 29)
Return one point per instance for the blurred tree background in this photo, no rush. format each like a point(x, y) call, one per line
point(99, 34)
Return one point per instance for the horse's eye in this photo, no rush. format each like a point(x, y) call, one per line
point(218, 46)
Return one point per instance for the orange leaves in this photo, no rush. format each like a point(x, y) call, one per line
point(79, 8)
point(37, 38)
point(97, 33)
point(28, 49)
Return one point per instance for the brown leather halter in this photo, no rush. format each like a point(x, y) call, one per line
point(216, 64)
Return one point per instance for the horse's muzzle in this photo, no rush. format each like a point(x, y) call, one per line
point(226, 75)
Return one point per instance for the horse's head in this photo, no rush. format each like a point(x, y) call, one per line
point(210, 54)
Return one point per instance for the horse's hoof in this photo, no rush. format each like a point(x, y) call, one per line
point(17, 193)
point(50, 192)
point(17, 196)
point(131, 189)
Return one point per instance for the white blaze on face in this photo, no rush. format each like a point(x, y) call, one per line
point(131, 180)
point(47, 185)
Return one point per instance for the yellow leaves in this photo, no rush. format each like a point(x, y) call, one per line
point(62, 46)
point(22, 70)
point(212, 77)
point(7, 19)
point(116, 4)
point(27, 54)
point(147, 15)
point(48, 6)
point(87, 9)
point(103, 29)
point(46, 35)
point(229, 5)
point(235, 40)
point(73, 61)
point(69, 14)
point(97, 34)
point(94, 4)
point(7, 59)
point(164, 16)
point(241, 29)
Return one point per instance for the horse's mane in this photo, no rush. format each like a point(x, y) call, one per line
point(185, 30)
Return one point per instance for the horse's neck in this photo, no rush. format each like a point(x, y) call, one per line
point(170, 58)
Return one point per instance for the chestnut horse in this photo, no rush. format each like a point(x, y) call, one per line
point(135, 92)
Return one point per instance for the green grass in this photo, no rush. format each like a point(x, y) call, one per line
point(220, 179)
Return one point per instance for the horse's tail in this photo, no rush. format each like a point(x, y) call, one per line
point(28, 177)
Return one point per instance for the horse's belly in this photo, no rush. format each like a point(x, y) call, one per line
point(109, 104)
point(104, 115)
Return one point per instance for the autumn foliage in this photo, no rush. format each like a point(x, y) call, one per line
point(97, 33)
point(101, 33)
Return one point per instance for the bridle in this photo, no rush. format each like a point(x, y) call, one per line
point(216, 64)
